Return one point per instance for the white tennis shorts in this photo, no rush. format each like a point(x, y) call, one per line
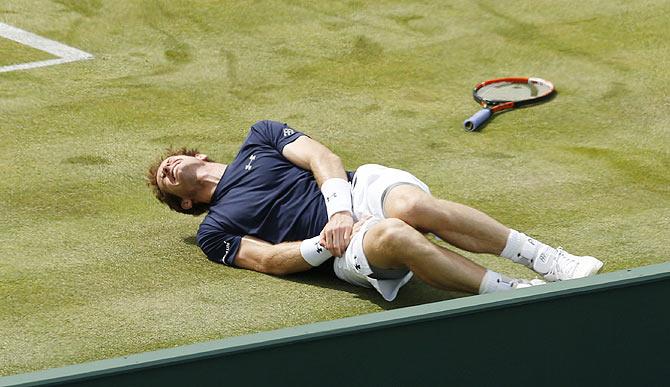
point(370, 185)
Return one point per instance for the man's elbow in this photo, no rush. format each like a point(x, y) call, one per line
point(326, 159)
point(334, 159)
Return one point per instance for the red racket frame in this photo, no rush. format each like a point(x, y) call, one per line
point(498, 105)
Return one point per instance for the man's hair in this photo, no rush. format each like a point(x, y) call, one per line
point(173, 201)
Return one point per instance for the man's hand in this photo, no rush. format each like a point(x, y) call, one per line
point(337, 233)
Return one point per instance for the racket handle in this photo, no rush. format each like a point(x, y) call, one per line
point(477, 119)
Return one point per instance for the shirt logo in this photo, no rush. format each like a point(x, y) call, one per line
point(288, 131)
point(248, 166)
point(227, 251)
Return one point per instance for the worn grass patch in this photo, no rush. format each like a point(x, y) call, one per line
point(92, 267)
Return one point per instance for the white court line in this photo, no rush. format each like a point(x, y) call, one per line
point(64, 53)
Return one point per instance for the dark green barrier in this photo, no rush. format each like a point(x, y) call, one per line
point(611, 329)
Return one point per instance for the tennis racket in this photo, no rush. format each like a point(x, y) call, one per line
point(501, 94)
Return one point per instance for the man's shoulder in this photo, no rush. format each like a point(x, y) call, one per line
point(205, 225)
point(221, 219)
point(263, 126)
point(272, 128)
point(209, 225)
point(209, 228)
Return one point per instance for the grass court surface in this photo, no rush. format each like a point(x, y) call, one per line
point(93, 267)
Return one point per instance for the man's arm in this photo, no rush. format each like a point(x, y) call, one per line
point(280, 259)
point(313, 156)
point(283, 258)
point(324, 164)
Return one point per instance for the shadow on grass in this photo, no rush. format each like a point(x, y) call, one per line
point(414, 293)
point(190, 240)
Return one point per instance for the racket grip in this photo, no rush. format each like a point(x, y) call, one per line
point(477, 119)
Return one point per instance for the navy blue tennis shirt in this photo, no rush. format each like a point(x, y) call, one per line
point(262, 194)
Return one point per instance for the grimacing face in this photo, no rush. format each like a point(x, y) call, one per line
point(177, 175)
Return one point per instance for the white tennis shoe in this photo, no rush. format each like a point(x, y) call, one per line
point(559, 265)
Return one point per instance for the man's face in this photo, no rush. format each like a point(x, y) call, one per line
point(177, 175)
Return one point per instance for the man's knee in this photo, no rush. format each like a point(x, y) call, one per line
point(390, 236)
point(394, 244)
point(408, 203)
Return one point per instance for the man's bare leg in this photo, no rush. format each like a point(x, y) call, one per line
point(474, 231)
point(457, 224)
point(393, 244)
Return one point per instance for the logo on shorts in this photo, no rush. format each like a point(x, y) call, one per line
point(288, 131)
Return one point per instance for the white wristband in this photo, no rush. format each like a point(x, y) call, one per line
point(337, 193)
point(312, 251)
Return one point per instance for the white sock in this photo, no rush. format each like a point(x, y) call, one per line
point(495, 282)
point(522, 249)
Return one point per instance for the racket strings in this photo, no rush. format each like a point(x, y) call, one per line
point(509, 91)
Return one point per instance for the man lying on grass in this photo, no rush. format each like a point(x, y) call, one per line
point(285, 204)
